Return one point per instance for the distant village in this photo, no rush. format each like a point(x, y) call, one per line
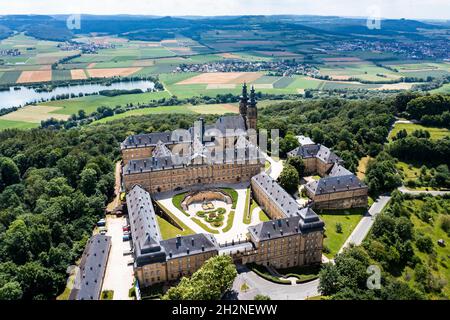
point(277, 68)
point(417, 50)
point(89, 48)
point(10, 52)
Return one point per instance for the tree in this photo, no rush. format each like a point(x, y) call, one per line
point(287, 144)
point(424, 243)
point(348, 273)
point(338, 227)
point(88, 181)
point(16, 242)
point(208, 283)
point(11, 291)
point(9, 173)
point(399, 290)
point(260, 297)
point(289, 179)
point(382, 175)
point(298, 164)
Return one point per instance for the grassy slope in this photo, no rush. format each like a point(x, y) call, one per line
point(436, 133)
point(8, 124)
point(91, 103)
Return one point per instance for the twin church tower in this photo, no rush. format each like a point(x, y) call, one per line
point(247, 108)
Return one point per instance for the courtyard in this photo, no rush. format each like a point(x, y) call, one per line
point(218, 210)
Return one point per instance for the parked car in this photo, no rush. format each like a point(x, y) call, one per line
point(103, 232)
point(126, 237)
point(126, 228)
point(101, 223)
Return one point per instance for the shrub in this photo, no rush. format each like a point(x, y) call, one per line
point(424, 244)
point(445, 224)
point(338, 227)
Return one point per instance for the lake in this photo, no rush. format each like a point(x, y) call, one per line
point(18, 98)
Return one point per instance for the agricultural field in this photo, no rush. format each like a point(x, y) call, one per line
point(218, 109)
point(90, 103)
point(184, 109)
point(436, 133)
point(8, 124)
point(351, 68)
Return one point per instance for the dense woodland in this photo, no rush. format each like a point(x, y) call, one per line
point(412, 264)
point(55, 183)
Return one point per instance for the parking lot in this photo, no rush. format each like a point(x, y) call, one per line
point(119, 273)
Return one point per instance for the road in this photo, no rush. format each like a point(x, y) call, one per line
point(418, 192)
point(364, 226)
point(275, 166)
point(257, 285)
point(119, 276)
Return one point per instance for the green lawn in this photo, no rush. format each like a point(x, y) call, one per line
point(349, 219)
point(230, 221)
point(436, 133)
point(204, 226)
point(233, 194)
point(247, 213)
point(177, 199)
point(169, 231)
point(263, 217)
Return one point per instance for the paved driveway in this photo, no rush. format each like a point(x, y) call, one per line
point(119, 275)
point(364, 226)
point(258, 285)
point(418, 192)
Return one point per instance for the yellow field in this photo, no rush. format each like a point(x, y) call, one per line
point(78, 74)
point(112, 72)
point(35, 114)
point(35, 76)
point(223, 78)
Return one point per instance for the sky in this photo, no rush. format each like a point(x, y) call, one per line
point(413, 9)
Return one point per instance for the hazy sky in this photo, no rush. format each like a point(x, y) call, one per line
point(436, 9)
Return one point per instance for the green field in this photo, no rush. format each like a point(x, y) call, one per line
point(436, 133)
point(200, 109)
point(8, 124)
point(349, 219)
point(444, 89)
point(90, 103)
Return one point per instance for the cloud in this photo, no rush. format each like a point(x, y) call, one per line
point(438, 9)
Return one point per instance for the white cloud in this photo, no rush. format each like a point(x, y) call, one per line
point(438, 9)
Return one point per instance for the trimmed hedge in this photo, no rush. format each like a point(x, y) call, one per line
point(261, 271)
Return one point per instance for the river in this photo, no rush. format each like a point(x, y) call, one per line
point(18, 98)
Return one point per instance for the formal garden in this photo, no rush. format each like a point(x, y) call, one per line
point(212, 210)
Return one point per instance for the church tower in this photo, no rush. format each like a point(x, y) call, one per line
point(244, 101)
point(252, 111)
